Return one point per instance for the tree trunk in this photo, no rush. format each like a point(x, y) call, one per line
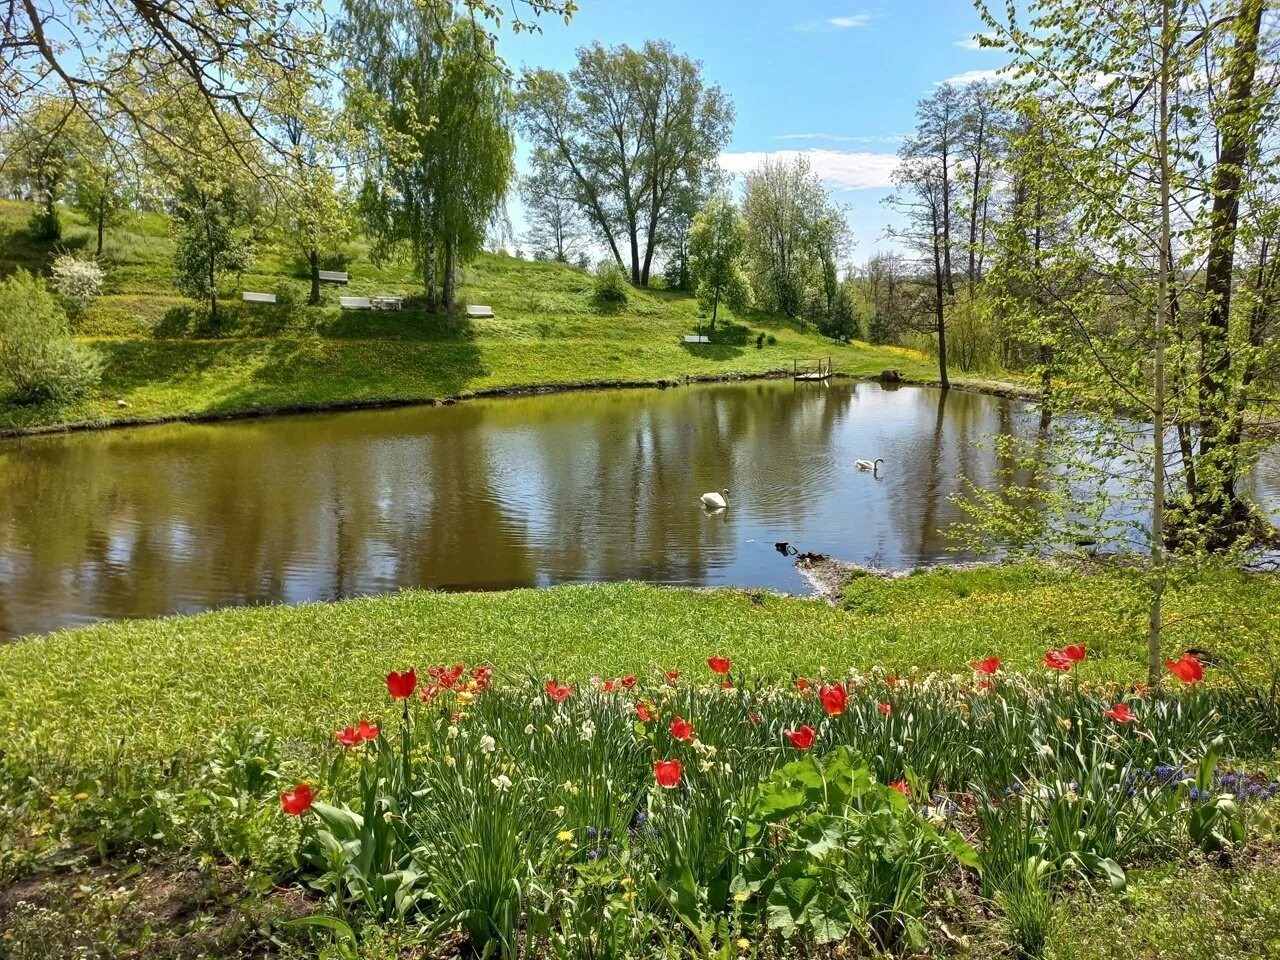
point(1155, 608)
point(313, 258)
point(447, 281)
point(429, 272)
point(715, 306)
point(1217, 507)
point(940, 315)
point(102, 222)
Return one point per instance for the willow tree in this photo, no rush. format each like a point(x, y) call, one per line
point(1127, 154)
point(442, 152)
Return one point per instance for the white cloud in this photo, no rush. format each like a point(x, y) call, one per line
point(971, 42)
point(839, 169)
point(853, 22)
point(841, 138)
point(972, 76)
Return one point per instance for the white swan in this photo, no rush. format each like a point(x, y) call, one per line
point(872, 465)
point(716, 501)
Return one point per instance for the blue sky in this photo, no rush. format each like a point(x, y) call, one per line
point(837, 80)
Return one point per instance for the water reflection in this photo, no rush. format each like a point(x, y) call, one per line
point(487, 494)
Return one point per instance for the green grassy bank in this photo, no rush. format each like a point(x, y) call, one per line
point(165, 359)
point(299, 670)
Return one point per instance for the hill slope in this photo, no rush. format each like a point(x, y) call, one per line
point(166, 360)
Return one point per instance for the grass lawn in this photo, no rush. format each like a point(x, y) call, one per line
point(107, 729)
point(165, 359)
point(299, 670)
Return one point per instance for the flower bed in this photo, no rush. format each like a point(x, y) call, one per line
point(641, 816)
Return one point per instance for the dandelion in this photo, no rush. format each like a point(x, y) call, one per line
point(564, 836)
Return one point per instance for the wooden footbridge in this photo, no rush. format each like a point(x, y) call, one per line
point(819, 369)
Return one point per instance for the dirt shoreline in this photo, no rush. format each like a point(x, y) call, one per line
point(994, 388)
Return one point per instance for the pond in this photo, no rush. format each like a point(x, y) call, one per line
point(487, 494)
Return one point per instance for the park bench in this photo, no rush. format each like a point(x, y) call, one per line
point(355, 303)
point(260, 298)
point(387, 303)
point(333, 276)
point(693, 338)
point(479, 311)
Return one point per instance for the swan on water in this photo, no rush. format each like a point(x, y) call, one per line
point(872, 465)
point(716, 501)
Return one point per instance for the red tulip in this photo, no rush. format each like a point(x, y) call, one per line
point(833, 699)
point(985, 684)
point(558, 692)
point(681, 729)
point(367, 730)
point(987, 667)
point(1189, 669)
point(719, 665)
point(801, 739)
point(672, 676)
point(448, 676)
point(1058, 660)
point(402, 685)
point(902, 787)
point(726, 684)
point(755, 718)
point(891, 680)
point(610, 686)
point(348, 736)
point(629, 681)
point(1075, 652)
point(667, 773)
point(644, 712)
point(802, 684)
point(885, 707)
point(430, 691)
point(297, 801)
point(1121, 713)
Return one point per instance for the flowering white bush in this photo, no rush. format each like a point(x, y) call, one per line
point(77, 281)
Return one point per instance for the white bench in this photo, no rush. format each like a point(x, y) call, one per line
point(355, 303)
point(479, 312)
point(690, 338)
point(387, 303)
point(333, 276)
point(260, 298)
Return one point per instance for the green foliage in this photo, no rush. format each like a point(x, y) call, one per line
point(38, 356)
point(39, 152)
point(78, 282)
point(633, 134)
point(610, 290)
point(716, 243)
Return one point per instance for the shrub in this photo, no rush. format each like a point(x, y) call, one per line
point(78, 282)
point(37, 353)
point(289, 301)
point(611, 288)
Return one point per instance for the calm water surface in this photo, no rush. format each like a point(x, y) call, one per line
point(485, 495)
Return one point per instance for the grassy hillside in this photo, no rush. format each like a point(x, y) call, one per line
point(165, 359)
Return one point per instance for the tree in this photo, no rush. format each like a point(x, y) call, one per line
point(794, 236)
point(223, 56)
point(215, 206)
point(716, 243)
point(101, 191)
point(885, 278)
point(38, 157)
point(925, 182)
point(444, 156)
point(627, 129)
point(557, 230)
point(1132, 233)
